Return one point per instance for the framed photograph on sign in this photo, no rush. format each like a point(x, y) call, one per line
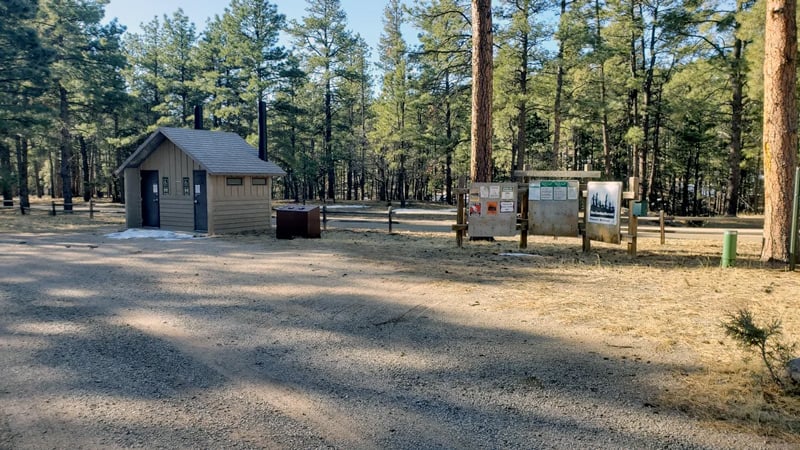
point(603, 202)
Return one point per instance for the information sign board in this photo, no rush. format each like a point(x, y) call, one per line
point(553, 207)
point(492, 209)
point(603, 204)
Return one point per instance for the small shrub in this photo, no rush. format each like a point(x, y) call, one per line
point(765, 340)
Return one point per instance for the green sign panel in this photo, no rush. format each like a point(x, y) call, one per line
point(554, 183)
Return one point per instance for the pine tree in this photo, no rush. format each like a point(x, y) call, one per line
point(481, 165)
point(147, 70)
point(444, 65)
point(780, 126)
point(520, 53)
point(325, 43)
point(256, 59)
point(24, 65)
point(179, 41)
point(391, 109)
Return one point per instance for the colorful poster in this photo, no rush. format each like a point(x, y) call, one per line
point(603, 202)
point(491, 208)
point(475, 209)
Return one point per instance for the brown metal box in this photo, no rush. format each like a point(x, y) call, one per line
point(297, 220)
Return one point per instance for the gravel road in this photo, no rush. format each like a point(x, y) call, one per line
point(251, 342)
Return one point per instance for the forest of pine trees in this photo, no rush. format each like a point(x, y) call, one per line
point(666, 90)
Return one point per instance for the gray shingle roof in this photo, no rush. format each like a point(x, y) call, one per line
point(218, 152)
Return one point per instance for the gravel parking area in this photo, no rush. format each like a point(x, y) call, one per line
point(350, 341)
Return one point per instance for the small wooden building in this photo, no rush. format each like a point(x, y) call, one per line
point(198, 180)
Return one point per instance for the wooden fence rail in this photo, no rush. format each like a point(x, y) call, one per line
point(56, 208)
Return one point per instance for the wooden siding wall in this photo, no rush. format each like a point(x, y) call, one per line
point(239, 208)
point(177, 210)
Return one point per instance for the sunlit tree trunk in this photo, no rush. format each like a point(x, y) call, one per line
point(780, 126)
point(481, 162)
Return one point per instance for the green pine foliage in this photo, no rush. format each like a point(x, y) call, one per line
point(647, 89)
point(765, 341)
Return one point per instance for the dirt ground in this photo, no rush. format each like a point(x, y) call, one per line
point(364, 339)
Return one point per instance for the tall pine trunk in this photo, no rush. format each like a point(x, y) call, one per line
point(780, 126)
point(647, 92)
point(633, 94)
point(450, 149)
point(37, 179)
point(481, 130)
point(518, 159)
point(603, 93)
point(66, 150)
point(329, 140)
point(22, 171)
point(654, 177)
point(87, 182)
point(559, 90)
point(5, 175)
point(737, 112)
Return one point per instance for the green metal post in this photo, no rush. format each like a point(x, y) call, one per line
point(729, 248)
point(795, 208)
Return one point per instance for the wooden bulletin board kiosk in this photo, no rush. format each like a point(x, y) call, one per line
point(553, 207)
point(492, 209)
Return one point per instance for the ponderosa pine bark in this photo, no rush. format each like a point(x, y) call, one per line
point(780, 126)
point(481, 161)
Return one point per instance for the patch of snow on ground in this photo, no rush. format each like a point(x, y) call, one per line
point(522, 255)
point(159, 235)
point(346, 206)
point(424, 211)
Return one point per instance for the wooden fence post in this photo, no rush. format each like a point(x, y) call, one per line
point(324, 218)
point(661, 226)
point(91, 209)
point(461, 216)
point(52, 208)
point(390, 220)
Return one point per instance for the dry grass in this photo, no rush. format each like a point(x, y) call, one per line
point(666, 305)
point(38, 220)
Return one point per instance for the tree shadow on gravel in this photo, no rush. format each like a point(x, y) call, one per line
point(398, 372)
